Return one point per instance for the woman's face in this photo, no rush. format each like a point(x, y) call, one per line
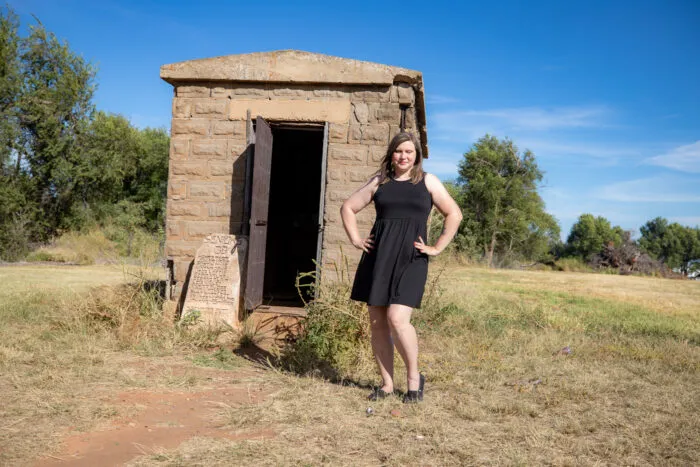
point(404, 157)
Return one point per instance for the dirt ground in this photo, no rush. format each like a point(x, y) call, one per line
point(149, 421)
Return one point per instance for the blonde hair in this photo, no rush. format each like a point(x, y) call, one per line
point(386, 169)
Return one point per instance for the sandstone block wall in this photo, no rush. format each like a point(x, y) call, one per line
point(208, 152)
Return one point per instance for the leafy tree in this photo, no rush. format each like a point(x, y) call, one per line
point(106, 153)
point(117, 161)
point(590, 234)
point(63, 165)
point(150, 181)
point(675, 245)
point(10, 86)
point(16, 211)
point(503, 212)
point(54, 106)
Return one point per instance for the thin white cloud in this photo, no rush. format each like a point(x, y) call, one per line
point(440, 99)
point(525, 118)
point(684, 158)
point(578, 148)
point(659, 189)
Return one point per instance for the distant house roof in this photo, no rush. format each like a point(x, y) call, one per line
point(295, 66)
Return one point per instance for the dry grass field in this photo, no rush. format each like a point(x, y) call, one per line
point(81, 367)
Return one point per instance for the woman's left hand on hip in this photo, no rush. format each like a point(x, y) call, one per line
point(427, 249)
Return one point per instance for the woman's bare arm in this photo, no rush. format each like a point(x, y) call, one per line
point(354, 204)
point(448, 208)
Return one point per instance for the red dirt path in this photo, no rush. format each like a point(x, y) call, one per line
point(162, 420)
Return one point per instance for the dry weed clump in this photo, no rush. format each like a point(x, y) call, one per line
point(81, 248)
point(100, 245)
point(334, 338)
point(132, 315)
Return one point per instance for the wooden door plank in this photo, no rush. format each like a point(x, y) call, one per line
point(262, 164)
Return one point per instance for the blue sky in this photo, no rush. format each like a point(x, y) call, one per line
point(606, 94)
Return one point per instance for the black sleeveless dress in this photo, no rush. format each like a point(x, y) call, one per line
point(394, 271)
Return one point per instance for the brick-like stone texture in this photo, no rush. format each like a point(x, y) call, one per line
point(221, 168)
point(355, 134)
point(179, 148)
point(175, 229)
point(347, 154)
point(338, 133)
point(228, 129)
point(360, 112)
point(406, 94)
point(209, 149)
point(372, 95)
point(331, 93)
point(376, 154)
point(395, 130)
point(333, 111)
point(220, 92)
point(188, 168)
point(207, 191)
point(336, 174)
point(177, 189)
point(411, 118)
point(182, 108)
point(219, 209)
point(185, 209)
point(193, 91)
point(212, 108)
point(294, 93)
point(229, 169)
point(236, 148)
point(256, 92)
point(340, 194)
point(197, 230)
point(375, 134)
point(193, 127)
point(388, 112)
point(359, 175)
point(181, 248)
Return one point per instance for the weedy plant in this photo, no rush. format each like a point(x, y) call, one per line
point(335, 337)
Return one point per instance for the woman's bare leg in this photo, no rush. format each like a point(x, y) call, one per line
point(382, 345)
point(406, 341)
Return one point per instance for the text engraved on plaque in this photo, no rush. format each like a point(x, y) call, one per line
point(214, 285)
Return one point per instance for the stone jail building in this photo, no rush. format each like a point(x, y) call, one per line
point(269, 145)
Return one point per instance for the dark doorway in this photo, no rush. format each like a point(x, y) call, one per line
point(293, 217)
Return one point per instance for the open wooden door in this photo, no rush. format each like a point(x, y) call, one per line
point(262, 163)
point(321, 208)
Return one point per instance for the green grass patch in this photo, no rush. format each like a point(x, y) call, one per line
point(222, 359)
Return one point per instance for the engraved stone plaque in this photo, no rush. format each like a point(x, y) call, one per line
point(214, 290)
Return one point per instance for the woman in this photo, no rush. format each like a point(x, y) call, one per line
point(394, 266)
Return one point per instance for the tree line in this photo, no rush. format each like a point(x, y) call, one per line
point(64, 165)
point(505, 221)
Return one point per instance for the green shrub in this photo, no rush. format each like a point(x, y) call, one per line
point(335, 336)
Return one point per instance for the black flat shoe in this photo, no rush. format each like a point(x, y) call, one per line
point(412, 397)
point(378, 394)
